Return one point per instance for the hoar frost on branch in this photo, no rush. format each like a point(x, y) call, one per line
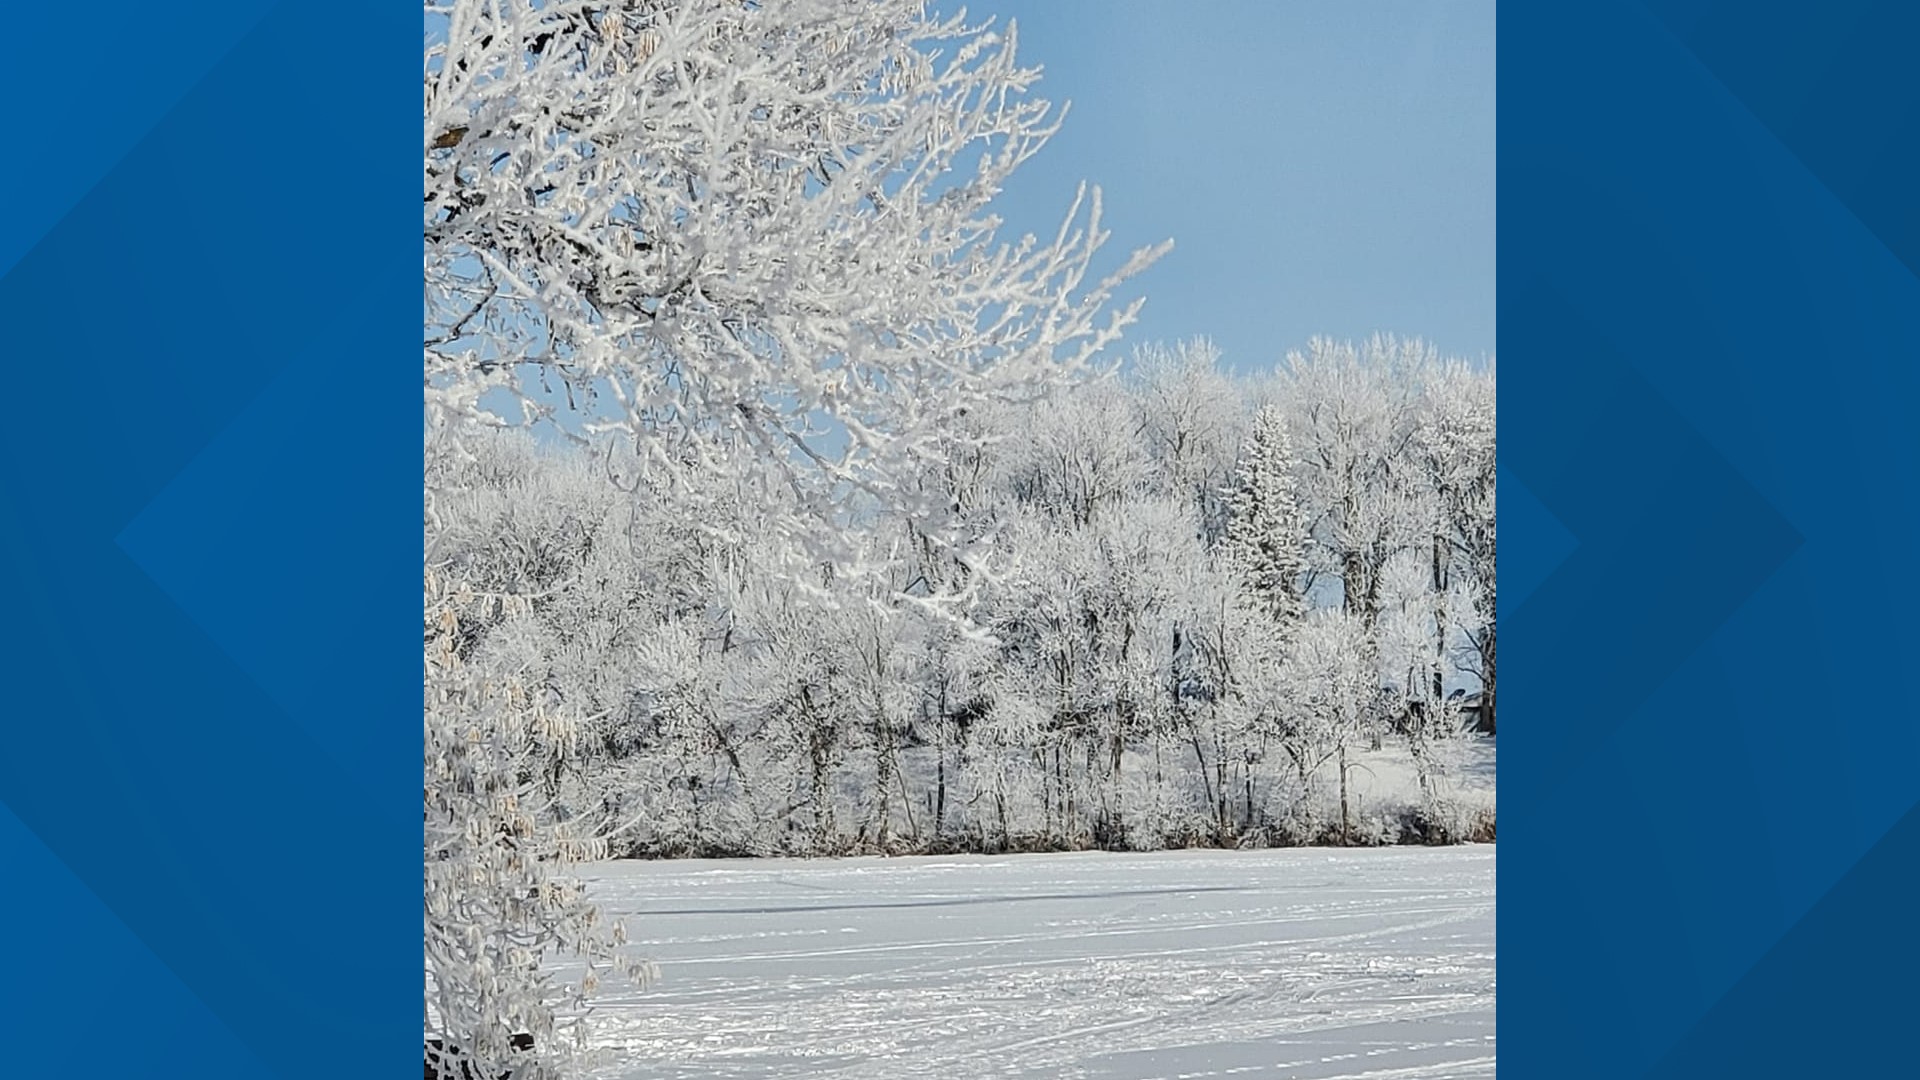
point(744, 224)
point(494, 905)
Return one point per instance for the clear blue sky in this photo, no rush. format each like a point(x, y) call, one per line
point(1323, 167)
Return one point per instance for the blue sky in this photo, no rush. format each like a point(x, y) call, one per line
point(1323, 167)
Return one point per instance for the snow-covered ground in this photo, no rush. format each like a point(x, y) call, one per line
point(1301, 963)
point(1466, 767)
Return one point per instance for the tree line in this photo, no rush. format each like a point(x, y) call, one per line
point(1165, 608)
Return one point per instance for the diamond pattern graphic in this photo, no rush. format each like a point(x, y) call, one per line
point(225, 579)
point(1841, 99)
point(1707, 281)
point(205, 789)
point(145, 1040)
point(1534, 540)
point(94, 121)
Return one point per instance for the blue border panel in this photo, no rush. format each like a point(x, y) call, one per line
point(206, 522)
point(1709, 234)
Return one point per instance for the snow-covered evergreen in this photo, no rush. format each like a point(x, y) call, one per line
point(1265, 536)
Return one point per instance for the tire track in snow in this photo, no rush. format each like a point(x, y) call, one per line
point(1388, 961)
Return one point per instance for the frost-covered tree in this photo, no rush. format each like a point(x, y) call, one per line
point(1455, 443)
point(705, 224)
point(508, 531)
point(1352, 410)
point(1225, 694)
point(495, 905)
point(1265, 536)
point(1076, 454)
point(1193, 419)
point(1330, 678)
point(1410, 643)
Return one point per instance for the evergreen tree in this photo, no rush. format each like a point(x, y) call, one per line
point(1265, 538)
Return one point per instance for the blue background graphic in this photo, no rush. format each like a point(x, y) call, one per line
point(1708, 240)
point(206, 502)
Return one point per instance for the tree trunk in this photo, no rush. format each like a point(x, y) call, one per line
point(883, 779)
point(1000, 807)
point(1200, 758)
point(940, 793)
point(1220, 785)
point(1346, 824)
point(906, 806)
point(1417, 747)
point(1486, 681)
point(1246, 821)
point(819, 750)
point(883, 739)
point(1440, 584)
point(1306, 789)
point(940, 766)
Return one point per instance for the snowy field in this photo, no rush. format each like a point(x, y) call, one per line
point(1302, 963)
